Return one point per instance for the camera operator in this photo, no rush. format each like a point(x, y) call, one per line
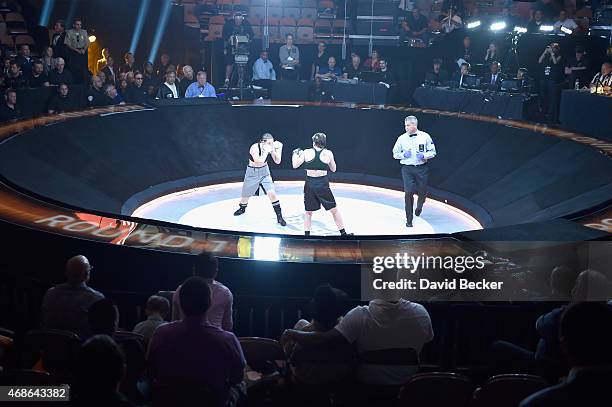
point(235, 26)
point(553, 77)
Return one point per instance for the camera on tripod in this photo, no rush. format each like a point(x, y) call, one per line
point(240, 48)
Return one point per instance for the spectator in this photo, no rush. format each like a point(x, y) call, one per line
point(536, 21)
point(458, 78)
point(194, 351)
point(563, 21)
point(437, 76)
point(9, 109)
point(466, 53)
point(578, 68)
point(162, 69)
point(353, 71)
point(326, 311)
point(123, 85)
point(156, 309)
point(58, 41)
point(200, 88)
point(383, 324)
point(491, 54)
point(65, 305)
point(149, 78)
point(15, 78)
point(551, 80)
point(547, 8)
point(103, 318)
point(38, 77)
point(372, 63)
point(48, 59)
point(95, 93)
point(234, 26)
point(562, 279)
point(493, 80)
point(137, 92)
point(101, 63)
point(168, 89)
point(186, 80)
point(109, 70)
point(320, 93)
point(62, 102)
point(604, 76)
point(219, 313)
point(330, 72)
point(525, 81)
point(77, 42)
point(417, 24)
point(60, 74)
point(585, 335)
point(263, 71)
point(289, 56)
point(321, 58)
point(128, 65)
point(112, 96)
point(100, 369)
point(24, 59)
point(386, 75)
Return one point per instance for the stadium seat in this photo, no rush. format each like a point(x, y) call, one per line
point(57, 348)
point(258, 12)
point(276, 12)
point(288, 21)
point(584, 12)
point(8, 41)
point(241, 6)
point(305, 22)
point(338, 27)
point(258, 3)
point(24, 39)
point(507, 390)
point(15, 23)
point(262, 354)
point(309, 3)
point(292, 12)
point(322, 28)
point(225, 6)
point(253, 20)
point(284, 30)
point(215, 31)
point(291, 3)
point(310, 13)
point(220, 20)
point(189, 14)
point(436, 389)
point(305, 35)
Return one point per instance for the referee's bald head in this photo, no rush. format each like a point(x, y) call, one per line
point(411, 119)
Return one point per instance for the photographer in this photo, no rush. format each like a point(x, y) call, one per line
point(552, 71)
point(235, 26)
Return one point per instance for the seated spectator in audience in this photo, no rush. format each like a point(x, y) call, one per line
point(320, 93)
point(526, 83)
point(101, 63)
point(437, 76)
point(48, 60)
point(156, 309)
point(194, 351)
point(536, 21)
point(492, 54)
point(547, 8)
point(60, 74)
point(562, 279)
point(320, 59)
point(201, 88)
point(387, 76)
point(326, 311)
point(9, 109)
point(330, 72)
point(493, 80)
point(168, 89)
point(100, 367)
point(578, 68)
point(263, 71)
point(219, 312)
point(391, 323)
point(563, 21)
point(113, 97)
point(186, 80)
point(102, 77)
point(458, 78)
point(109, 70)
point(289, 56)
point(417, 24)
point(95, 93)
point(137, 92)
point(38, 77)
point(103, 317)
point(123, 85)
point(604, 76)
point(65, 305)
point(353, 70)
point(128, 63)
point(372, 63)
point(162, 69)
point(585, 336)
point(6, 66)
point(62, 102)
point(24, 59)
point(15, 78)
point(149, 75)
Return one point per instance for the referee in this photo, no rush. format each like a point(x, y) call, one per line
point(414, 149)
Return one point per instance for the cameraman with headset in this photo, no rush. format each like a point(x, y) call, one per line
point(235, 26)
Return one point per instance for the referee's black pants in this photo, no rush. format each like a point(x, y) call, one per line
point(415, 181)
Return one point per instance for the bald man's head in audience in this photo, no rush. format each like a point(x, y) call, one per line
point(78, 269)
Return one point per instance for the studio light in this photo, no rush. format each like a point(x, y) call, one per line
point(92, 38)
point(566, 30)
point(520, 30)
point(546, 28)
point(498, 25)
point(473, 24)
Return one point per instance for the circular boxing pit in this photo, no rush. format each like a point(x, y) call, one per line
point(171, 175)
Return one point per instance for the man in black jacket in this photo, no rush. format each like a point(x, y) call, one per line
point(168, 89)
point(8, 109)
point(137, 92)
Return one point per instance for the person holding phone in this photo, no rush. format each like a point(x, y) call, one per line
point(258, 175)
point(414, 149)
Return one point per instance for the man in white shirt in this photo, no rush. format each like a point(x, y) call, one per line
point(380, 325)
point(563, 21)
point(263, 71)
point(168, 89)
point(414, 149)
